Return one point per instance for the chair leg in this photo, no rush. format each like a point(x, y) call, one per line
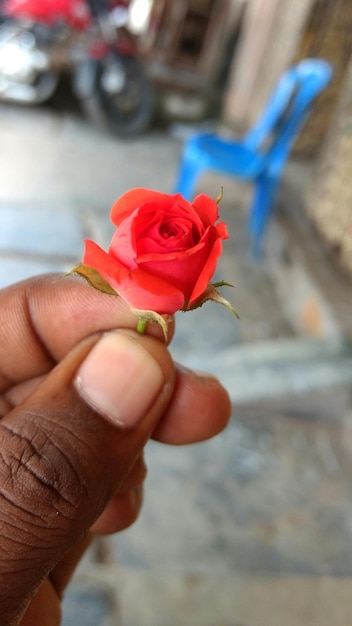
point(188, 174)
point(263, 204)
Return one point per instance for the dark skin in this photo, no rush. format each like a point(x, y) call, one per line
point(66, 471)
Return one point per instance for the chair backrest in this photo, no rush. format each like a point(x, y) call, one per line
point(288, 109)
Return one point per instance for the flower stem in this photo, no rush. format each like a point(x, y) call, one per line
point(141, 326)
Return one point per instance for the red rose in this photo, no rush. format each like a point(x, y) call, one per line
point(164, 251)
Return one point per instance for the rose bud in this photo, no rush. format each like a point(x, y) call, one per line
point(162, 256)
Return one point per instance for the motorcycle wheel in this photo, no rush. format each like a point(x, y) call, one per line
point(126, 109)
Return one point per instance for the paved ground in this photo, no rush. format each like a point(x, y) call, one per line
point(250, 529)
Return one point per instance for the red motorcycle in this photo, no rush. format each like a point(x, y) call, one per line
point(40, 39)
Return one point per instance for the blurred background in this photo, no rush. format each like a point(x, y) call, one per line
point(253, 528)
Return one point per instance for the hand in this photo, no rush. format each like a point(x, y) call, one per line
point(80, 394)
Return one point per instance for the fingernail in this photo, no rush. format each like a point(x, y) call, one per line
point(120, 379)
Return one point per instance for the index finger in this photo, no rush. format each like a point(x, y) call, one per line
point(43, 318)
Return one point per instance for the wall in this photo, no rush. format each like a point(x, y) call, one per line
point(270, 36)
point(330, 198)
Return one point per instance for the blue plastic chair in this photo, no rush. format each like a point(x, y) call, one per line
point(262, 153)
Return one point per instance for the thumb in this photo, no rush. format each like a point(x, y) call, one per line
point(65, 450)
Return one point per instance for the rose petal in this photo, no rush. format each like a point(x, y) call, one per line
point(135, 198)
point(144, 291)
point(150, 228)
point(154, 216)
point(206, 208)
point(138, 288)
point(96, 257)
point(174, 255)
point(222, 231)
point(182, 269)
point(207, 272)
point(123, 243)
point(141, 197)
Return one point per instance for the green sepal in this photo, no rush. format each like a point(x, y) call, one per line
point(212, 293)
point(220, 196)
point(144, 317)
point(94, 279)
point(222, 283)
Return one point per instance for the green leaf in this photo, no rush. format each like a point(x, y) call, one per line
point(93, 277)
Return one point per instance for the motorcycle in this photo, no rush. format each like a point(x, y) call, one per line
point(41, 39)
